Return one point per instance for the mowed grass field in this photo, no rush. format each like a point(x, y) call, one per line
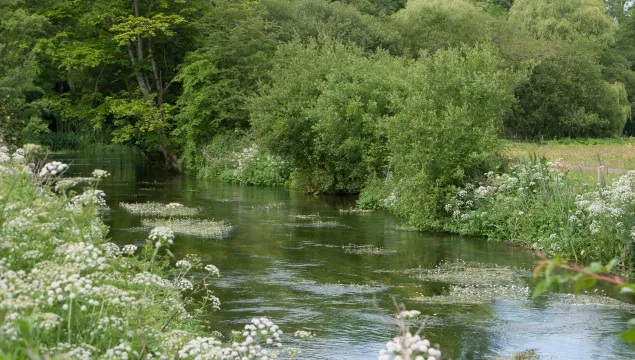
point(612, 153)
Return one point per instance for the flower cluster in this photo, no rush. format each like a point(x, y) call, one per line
point(161, 236)
point(212, 269)
point(214, 301)
point(52, 169)
point(100, 174)
point(260, 339)
point(409, 347)
point(88, 198)
point(4, 154)
point(303, 334)
point(405, 345)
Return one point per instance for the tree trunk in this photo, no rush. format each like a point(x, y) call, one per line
point(156, 106)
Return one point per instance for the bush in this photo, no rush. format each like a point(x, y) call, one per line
point(233, 158)
point(374, 195)
point(447, 133)
point(326, 111)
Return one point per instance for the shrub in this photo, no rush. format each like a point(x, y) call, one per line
point(325, 112)
point(374, 195)
point(231, 158)
point(447, 133)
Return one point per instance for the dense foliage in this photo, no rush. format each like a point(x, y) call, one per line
point(401, 101)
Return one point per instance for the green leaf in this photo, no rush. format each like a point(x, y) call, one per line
point(628, 336)
point(584, 283)
point(540, 288)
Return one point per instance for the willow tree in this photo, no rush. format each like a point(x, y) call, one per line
point(567, 96)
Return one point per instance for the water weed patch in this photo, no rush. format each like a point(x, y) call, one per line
point(476, 295)
point(207, 229)
point(471, 273)
point(367, 250)
point(158, 209)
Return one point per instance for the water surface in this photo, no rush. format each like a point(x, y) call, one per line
point(294, 270)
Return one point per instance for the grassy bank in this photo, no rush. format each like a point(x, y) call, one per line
point(538, 206)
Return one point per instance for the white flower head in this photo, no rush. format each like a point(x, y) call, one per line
point(161, 236)
point(100, 174)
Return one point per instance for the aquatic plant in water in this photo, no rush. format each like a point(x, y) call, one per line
point(460, 272)
point(355, 211)
point(158, 209)
point(367, 250)
point(193, 227)
point(473, 283)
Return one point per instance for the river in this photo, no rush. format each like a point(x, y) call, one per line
point(285, 259)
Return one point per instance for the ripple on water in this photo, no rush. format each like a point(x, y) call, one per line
point(316, 224)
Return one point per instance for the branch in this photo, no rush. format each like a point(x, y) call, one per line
point(613, 279)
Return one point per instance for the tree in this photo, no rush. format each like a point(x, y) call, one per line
point(20, 31)
point(233, 54)
point(618, 9)
point(618, 63)
point(325, 112)
point(564, 19)
point(432, 25)
point(567, 94)
point(114, 63)
point(343, 22)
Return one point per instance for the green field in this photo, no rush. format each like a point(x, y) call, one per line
point(612, 153)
